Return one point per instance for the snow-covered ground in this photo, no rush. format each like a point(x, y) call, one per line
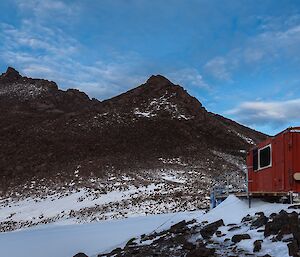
point(233, 210)
point(114, 197)
point(62, 240)
point(66, 240)
point(123, 198)
point(58, 205)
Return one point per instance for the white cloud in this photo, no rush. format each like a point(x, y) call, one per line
point(218, 67)
point(36, 37)
point(43, 10)
point(261, 49)
point(275, 113)
point(188, 77)
point(42, 52)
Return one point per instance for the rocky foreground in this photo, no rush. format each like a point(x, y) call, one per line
point(256, 235)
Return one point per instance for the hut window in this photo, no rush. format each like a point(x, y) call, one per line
point(265, 157)
point(255, 159)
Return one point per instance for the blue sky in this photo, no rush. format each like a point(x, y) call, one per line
point(240, 58)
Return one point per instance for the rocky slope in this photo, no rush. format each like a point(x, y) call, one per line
point(55, 143)
point(255, 236)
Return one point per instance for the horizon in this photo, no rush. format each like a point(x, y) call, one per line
point(239, 60)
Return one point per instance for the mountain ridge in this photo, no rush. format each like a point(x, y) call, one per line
point(153, 136)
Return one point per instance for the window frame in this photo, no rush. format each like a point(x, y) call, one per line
point(259, 150)
point(253, 161)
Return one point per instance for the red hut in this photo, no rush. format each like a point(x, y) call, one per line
point(274, 165)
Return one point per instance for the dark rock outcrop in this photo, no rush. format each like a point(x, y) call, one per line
point(283, 223)
point(211, 228)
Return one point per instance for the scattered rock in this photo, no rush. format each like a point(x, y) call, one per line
point(247, 218)
point(285, 223)
point(180, 227)
point(234, 228)
point(219, 233)
point(211, 228)
point(240, 237)
point(260, 221)
point(257, 245)
point(296, 206)
point(131, 242)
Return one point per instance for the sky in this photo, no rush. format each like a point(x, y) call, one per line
point(239, 58)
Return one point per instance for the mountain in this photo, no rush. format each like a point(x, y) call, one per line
point(155, 142)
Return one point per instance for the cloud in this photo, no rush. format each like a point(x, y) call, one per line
point(277, 43)
point(275, 113)
point(43, 10)
point(218, 67)
point(43, 52)
point(35, 37)
point(188, 77)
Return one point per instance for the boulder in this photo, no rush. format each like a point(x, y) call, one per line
point(240, 237)
point(257, 245)
point(260, 221)
point(180, 227)
point(207, 231)
point(285, 223)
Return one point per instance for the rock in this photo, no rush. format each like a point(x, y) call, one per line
point(293, 248)
point(260, 221)
point(240, 237)
point(10, 76)
point(285, 223)
point(247, 218)
point(296, 206)
point(179, 227)
point(231, 224)
point(234, 228)
point(179, 239)
point(80, 255)
point(201, 252)
point(257, 245)
point(131, 242)
point(296, 236)
point(189, 246)
point(211, 228)
point(219, 233)
point(116, 251)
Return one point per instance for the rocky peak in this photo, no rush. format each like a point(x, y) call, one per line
point(159, 81)
point(157, 97)
point(11, 75)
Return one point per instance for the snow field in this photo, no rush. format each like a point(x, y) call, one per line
point(93, 238)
